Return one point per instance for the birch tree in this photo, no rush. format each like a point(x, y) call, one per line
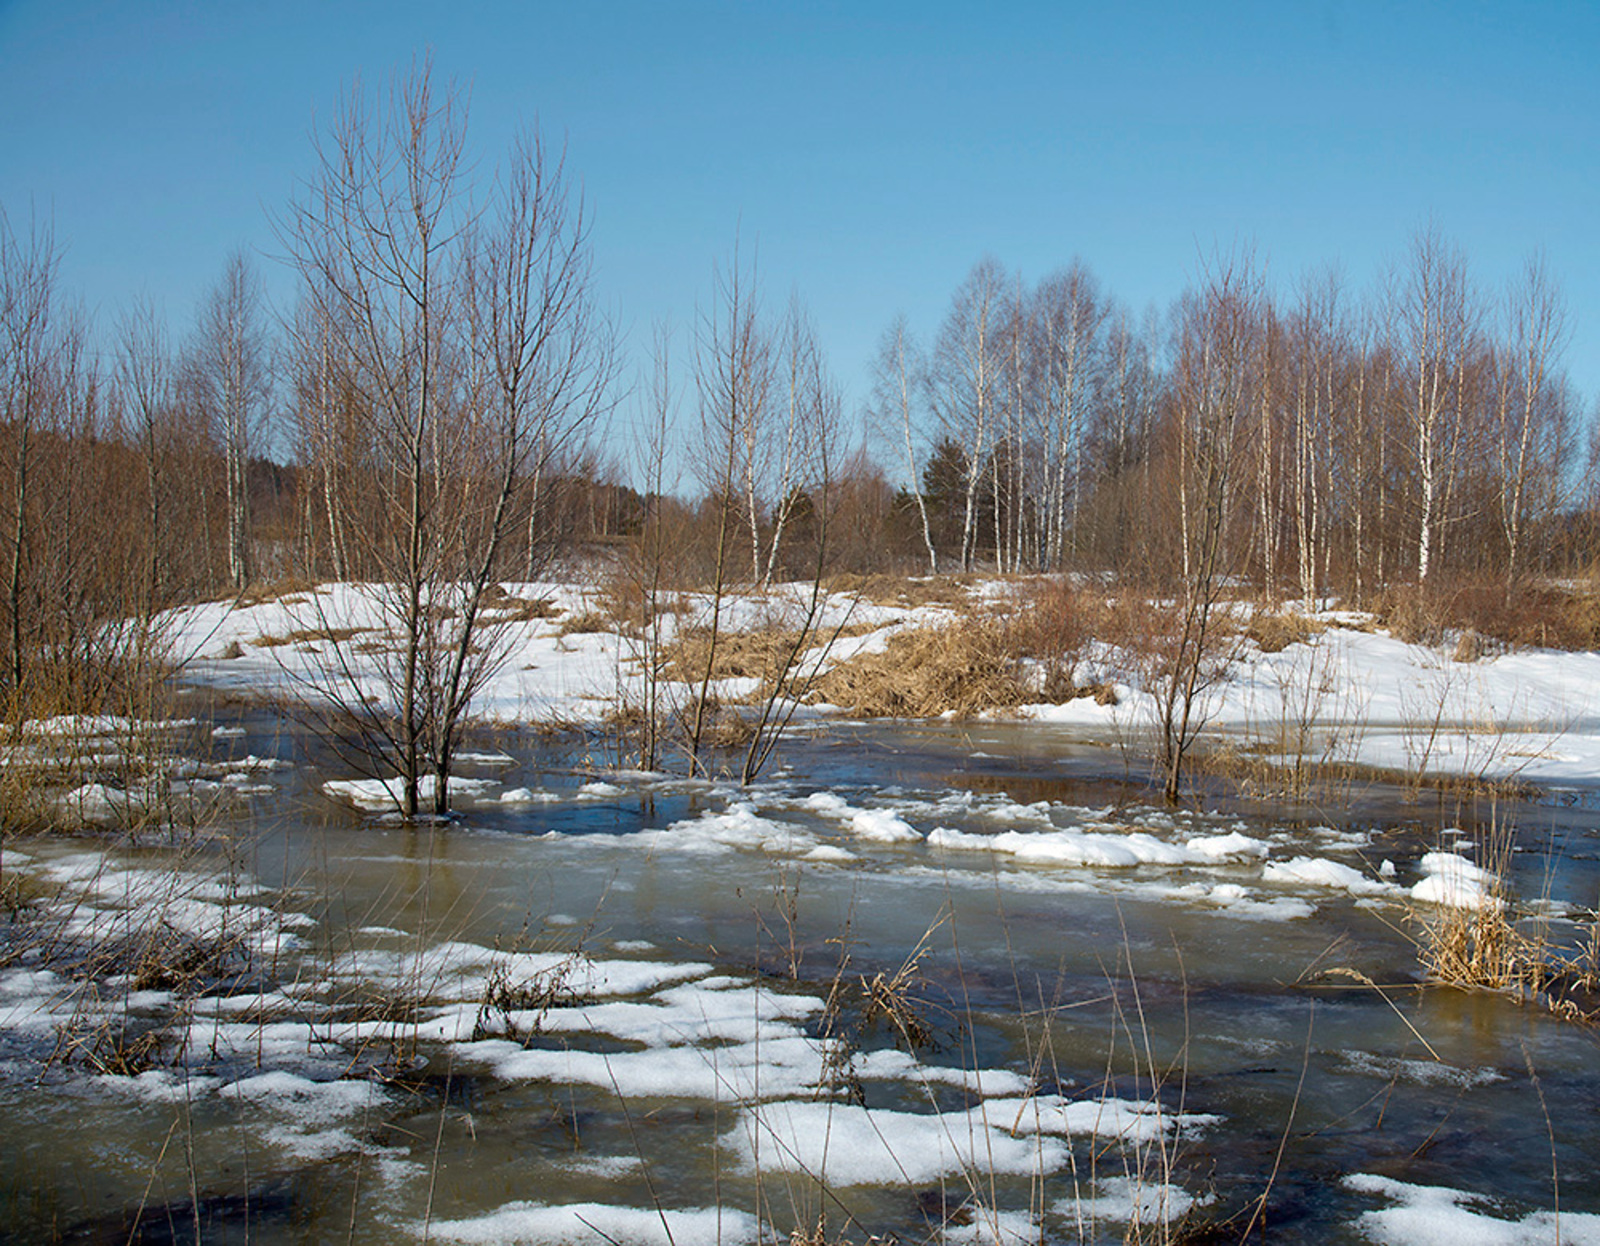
point(1530, 407)
point(894, 384)
point(231, 380)
point(963, 382)
point(1438, 322)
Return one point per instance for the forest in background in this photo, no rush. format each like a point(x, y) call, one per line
point(445, 404)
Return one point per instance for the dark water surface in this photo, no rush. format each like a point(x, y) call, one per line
point(1304, 1037)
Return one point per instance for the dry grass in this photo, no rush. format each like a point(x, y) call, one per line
point(308, 635)
point(1486, 948)
point(275, 590)
point(1486, 617)
point(762, 654)
point(959, 670)
point(505, 1000)
point(1033, 648)
point(503, 607)
point(1274, 633)
point(589, 622)
point(1482, 949)
point(905, 591)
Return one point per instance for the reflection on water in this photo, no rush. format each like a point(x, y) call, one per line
point(748, 1010)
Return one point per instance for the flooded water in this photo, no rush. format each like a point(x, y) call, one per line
point(942, 983)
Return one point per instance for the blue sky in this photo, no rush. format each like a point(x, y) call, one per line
point(871, 153)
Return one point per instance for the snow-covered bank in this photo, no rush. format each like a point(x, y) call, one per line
point(1347, 694)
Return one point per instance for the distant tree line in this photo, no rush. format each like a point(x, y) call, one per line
point(1426, 428)
point(430, 408)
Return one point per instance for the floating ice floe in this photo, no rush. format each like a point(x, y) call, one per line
point(1435, 1216)
point(846, 1144)
point(600, 1224)
point(1453, 881)
point(1098, 848)
point(386, 795)
point(1321, 872)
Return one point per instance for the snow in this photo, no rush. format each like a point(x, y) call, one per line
point(1364, 696)
point(599, 1224)
point(1434, 1216)
point(851, 1145)
point(1120, 851)
point(1452, 880)
point(1126, 1199)
point(1320, 872)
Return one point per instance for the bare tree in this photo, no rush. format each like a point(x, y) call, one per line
point(28, 273)
point(147, 387)
point(1530, 406)
point(895, 373)
point(465, 340)
point(733, 377)
point(1438, 317)
point(231, 379)
point(800, 368)
point(1070, 319)
point(1217, 377)
point(963, 380)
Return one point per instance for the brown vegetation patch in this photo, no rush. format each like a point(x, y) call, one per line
point(1497, 617)
point(503, 607)
point(906, 591)
point(962, 669)
point(762, 654)
point(275, 590)
point(1274, 633)
point(587, 623)
point(309, 635)
point(1482, 949)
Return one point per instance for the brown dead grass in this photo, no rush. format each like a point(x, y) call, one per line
point(1031, 648)
point(276, 590)
point(1481, 949)
point(960, 670)
point(590, 621)
point(905, 591)
point(1274, 633)
point(763, 653)
point(309, 635)
point(1486, 617)
point(503, 607)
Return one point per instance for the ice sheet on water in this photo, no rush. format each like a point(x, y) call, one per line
point(385, 795)
point(599, 1224)
point(844, 1144)
point(1420, 1072)
point(776, 1066)
point(1096, 848)
point(1127, 1199)
point(1321, 872)
point(1436, 1216)
point(739, 827)
point(852, 1145)
point(464, 968)
point(986, 1226)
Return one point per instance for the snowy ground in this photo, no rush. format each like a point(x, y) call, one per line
point(1349, 694)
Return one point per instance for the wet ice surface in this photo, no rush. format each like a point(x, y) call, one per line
point(620, 989)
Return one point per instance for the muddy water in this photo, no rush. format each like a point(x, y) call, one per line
point(1282, 1023)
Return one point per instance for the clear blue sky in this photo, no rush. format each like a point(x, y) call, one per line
point(873, 151)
